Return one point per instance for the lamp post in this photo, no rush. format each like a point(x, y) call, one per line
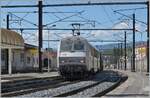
point(49, 47)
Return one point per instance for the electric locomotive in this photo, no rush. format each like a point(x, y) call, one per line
point(77, 58)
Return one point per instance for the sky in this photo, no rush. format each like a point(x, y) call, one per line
point(102, 16)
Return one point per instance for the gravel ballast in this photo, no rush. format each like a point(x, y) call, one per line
point(111, 76)
point(59, 90)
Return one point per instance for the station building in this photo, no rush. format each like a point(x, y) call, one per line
point(141, 57)
point(12, 48)
point(16, 56)
point(30, 58)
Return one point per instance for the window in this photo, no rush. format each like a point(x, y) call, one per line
point(33, 60)
point(13, 55)
point(21, 57)
point(2, 54)
point(66, 45)
point(28, 60)
point(37, 61)
point(78, 45)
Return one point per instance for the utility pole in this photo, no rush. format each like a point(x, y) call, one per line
point(40, 28)
point(125, 50)
point(118, 56)
point(148, 31)
point(7, 20)
point(121, 54)
point(48, 53)
point(133, 50)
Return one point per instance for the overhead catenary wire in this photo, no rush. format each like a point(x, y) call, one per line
point(25, 15)
point(64, 18)
point(45, 12)
point(24, 19)
point(130, 17)
point(56, 9)
point(53, 15)
point(76, 4)
point(88, 21)
point(140, 8)
point(109, 18)
point(53, 33)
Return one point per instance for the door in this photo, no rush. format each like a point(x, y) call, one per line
point(4, 61)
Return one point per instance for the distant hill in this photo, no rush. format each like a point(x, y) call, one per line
point(111, 46)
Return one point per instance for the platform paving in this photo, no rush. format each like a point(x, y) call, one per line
point(20, 76)
point(136, 86)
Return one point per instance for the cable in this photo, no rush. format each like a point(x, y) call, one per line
point(64, 18)
point(130, 17)
point(24, 19)
point(88, 20)
point(109, 18)
point(141, 8)
point(25, 15)
point(57, 10)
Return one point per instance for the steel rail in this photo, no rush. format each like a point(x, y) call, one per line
point(118, 82)
point(80, 89)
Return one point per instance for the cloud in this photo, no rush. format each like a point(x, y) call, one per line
point(140, 27)
point(66, 35)
point(106, 34)
point(121, 25)
point(102, 34)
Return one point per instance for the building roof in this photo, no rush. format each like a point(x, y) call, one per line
point(11, 39)
point(27, 46)
point(143, 45)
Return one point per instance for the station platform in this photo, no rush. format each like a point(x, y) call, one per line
point(26, 76)
point(136, 86)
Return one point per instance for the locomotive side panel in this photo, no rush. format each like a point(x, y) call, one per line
point(91, 60)
point(89, 57)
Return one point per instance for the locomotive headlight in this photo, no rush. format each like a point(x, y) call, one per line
point(62, 61)
point(81, 61)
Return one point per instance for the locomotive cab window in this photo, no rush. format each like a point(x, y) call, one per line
point(78, 45)
point(66, 45)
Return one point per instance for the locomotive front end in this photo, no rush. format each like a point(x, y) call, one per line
point(72, 58)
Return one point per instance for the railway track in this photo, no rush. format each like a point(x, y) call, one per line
point(13, 80)
point(20, 87)
point(96, 86)
point(79, 89)
point(92, 87)
point(113, 86)
point(88, 90)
